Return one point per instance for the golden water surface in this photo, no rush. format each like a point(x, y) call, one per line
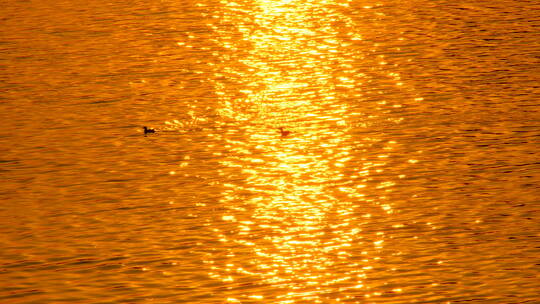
point(407, 170)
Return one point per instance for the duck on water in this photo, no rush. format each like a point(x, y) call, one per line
point(283, 132)
point(148, 130)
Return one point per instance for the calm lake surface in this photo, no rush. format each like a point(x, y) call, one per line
point(411, 173)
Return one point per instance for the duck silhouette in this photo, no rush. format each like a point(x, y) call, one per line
point(284, 132)
point(148, 130)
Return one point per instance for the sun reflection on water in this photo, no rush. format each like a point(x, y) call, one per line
point(288, 219)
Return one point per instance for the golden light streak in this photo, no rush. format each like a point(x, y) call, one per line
point(293, 72)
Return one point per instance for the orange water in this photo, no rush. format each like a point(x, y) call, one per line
point(410, 174)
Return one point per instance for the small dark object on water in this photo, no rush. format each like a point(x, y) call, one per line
point(284, 132)
point(147, 130)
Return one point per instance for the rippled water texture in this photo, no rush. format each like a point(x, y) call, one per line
point(407, 170)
